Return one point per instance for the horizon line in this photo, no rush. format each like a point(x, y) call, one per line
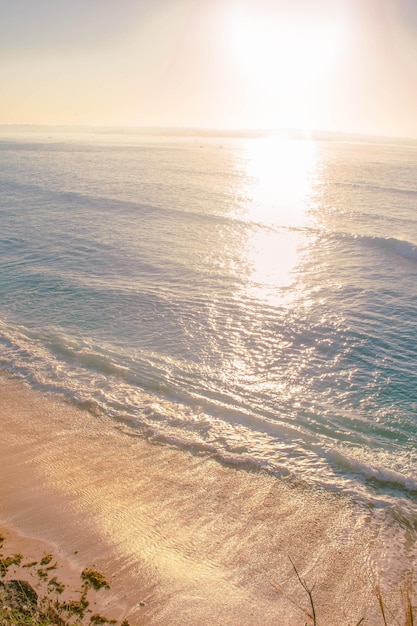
point(297, 133)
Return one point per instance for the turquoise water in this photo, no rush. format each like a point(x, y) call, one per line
point(254, 298)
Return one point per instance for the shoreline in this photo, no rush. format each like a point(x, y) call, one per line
point(182, 538)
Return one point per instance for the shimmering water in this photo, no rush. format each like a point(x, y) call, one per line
point(255, 298)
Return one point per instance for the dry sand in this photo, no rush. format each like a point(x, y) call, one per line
point(197, 542)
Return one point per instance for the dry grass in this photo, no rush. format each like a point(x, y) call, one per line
point(389, 617)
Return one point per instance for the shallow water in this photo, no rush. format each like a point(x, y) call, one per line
point(254, 298)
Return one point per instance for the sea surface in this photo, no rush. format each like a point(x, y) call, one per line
point(254, 298)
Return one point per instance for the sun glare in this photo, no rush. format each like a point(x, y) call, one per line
point(284, 64)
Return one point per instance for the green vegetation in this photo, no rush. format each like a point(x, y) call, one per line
point(95, 579)
point(39, 604)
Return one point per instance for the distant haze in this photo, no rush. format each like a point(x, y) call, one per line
point(335, 65)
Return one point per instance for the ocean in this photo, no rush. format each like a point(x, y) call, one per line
point(250, 298)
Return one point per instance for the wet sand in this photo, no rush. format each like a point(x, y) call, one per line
point(184, 539)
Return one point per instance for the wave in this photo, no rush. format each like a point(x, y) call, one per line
point(384, 476)
point(403, 248)
point(104, 204)
point(106, 383)
point(374, 187)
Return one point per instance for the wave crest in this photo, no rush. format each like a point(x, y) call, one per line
point(403, 248)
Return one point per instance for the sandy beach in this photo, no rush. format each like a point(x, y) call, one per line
point(184, 539)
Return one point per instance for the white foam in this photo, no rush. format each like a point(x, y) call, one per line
point(369, 472)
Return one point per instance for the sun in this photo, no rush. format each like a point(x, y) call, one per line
point(286, 65)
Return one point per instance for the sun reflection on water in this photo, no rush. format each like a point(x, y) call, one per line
point(280, 174)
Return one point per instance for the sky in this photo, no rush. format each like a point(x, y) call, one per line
point(336, 65)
